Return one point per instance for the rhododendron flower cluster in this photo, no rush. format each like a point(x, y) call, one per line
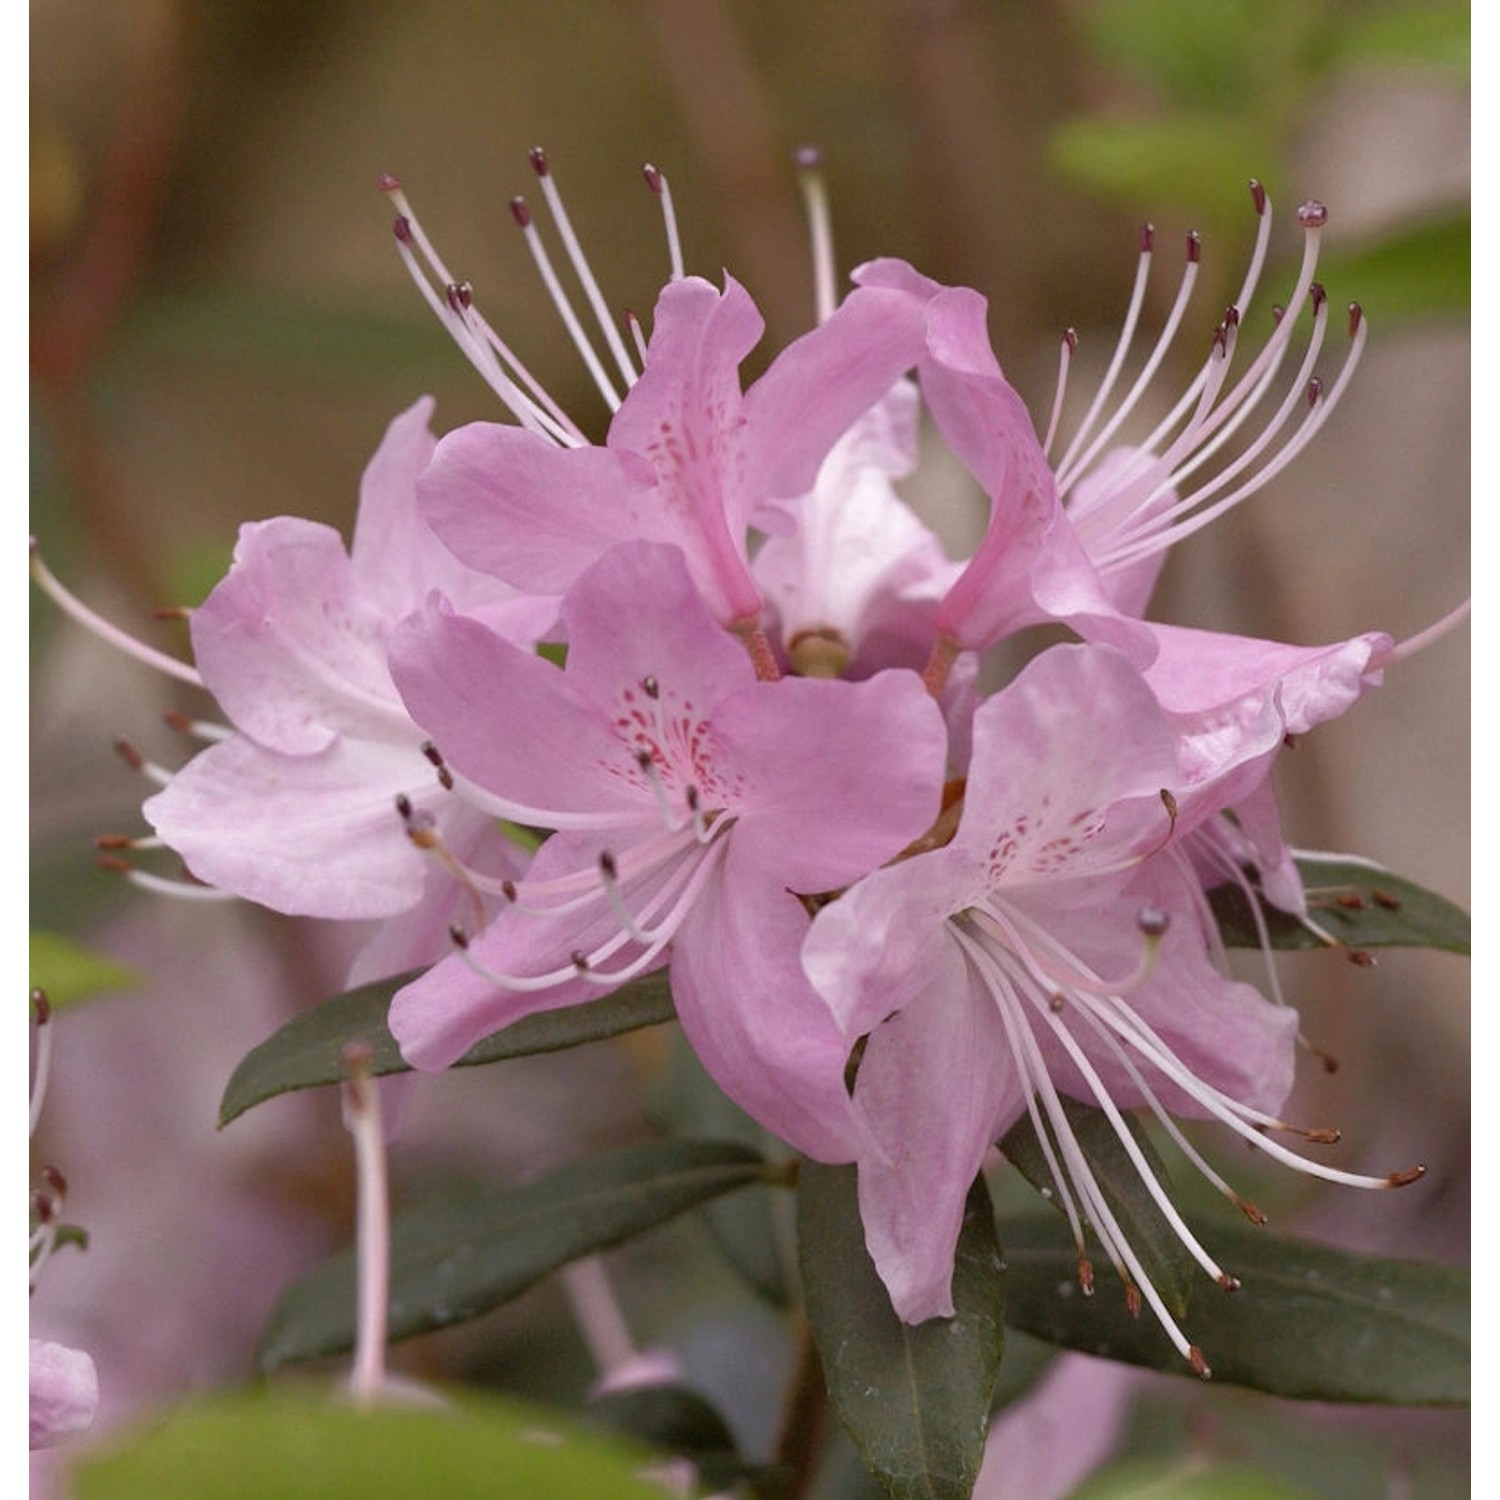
point(700, 697)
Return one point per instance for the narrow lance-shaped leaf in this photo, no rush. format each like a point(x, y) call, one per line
point(1354, 901)
point(463, 1252)
point(1168, 1264)
point(1308, 1322)
point(916, 1400)
point(305, 1052)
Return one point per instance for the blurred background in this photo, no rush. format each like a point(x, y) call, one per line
point(221, 330)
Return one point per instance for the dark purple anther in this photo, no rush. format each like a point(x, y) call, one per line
point(653, 178)
point(1148, 238)
point(1318, 296)
point(1194, 247)
point(519, 211)
point(1314, 391)
point(460, 295)
point(402, 229)
point(389, 183)
point(538, 159)
point(1258, 195)
point(1070, 338)
point(41, 1006)
point(1356, 316)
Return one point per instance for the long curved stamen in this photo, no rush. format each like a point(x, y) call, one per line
point(679, 891)
point(1148, 370)
point(656, 180)
point(581, 267)
point(97, 625)
point(820, 229)
point(1424, 638)
point(42, 1030)
point(1068, 347)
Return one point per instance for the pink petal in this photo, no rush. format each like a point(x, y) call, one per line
point(64, 1393)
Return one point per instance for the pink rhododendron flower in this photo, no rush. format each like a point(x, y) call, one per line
point(693, 805)
point(1056, 946)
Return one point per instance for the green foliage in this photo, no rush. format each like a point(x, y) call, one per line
point(1168, 1265)
point(916, 1400)
point(1187, 1479)
point(301, 1444)
point(69, 972)
point(1309, 1322)
point(465, 1251)
point(305, 1053)
point(1420, 270)
point(1354, 901)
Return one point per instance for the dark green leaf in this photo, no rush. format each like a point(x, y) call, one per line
point(1169, 1266)
point(461, 1253)
point(752, 1230)
point(1309, 1322)
point(1356, 902)
point(677, 1420)
point(301, 1444)
point(916, 1400)
point(305, 1053)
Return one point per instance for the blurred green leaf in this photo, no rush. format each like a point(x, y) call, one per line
point(677, 1420)
point(1420, 270)
point(916, 1400)
point(1353, 900)
point(1191, 52)
point(1196, 163)
point(305, 1052)
point(68, 972)
point(1187, 1479)
point(460, 1253)
point(752, 1230)
point(1419, 34)
point(1169, 1267)
point(1309, 1322)
point(304, 1444)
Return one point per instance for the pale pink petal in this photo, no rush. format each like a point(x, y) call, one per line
point(64, 1393)
point(758, 1027)
point(841, 775)
point(311, 835)
point(292, 646)
point(936, 1084)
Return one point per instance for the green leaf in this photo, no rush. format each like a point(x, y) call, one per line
point(916, 1400)
point(305, 1053)
point(1309, 1322)
point(677, 1420)
point(69, 972)
point(1169, 1266)
point(1420, 34)
point(306, 1445)
point(463, 1252)
point(1195, 164)
point(1354, 900)
point(752, 1230)
point(1419, 270)
point(1187, 1479)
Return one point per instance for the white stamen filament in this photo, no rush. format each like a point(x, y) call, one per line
point(43, 1055)
point(1143, 380)
point(820, 231)
point(182, 890)
point(362, 1119)
point(564, 309)
point(656, 180)
point(681, 889)
point(584, 271)
point(598, 1314)
point(1424, 638)
point(112, 635)
point(1068, 345)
